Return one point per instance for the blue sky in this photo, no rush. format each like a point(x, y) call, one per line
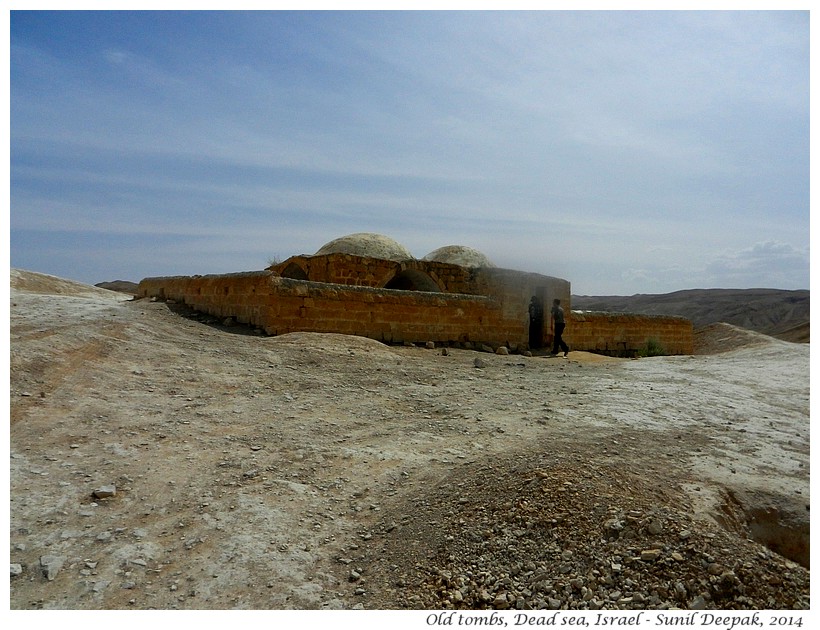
point(628, 152)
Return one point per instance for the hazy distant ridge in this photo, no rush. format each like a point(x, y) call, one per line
point(776, 312)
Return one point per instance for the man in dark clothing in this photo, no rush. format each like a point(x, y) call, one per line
point(558, 326)
point(536, 322)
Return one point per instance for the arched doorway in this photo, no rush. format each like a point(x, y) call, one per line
point(295, 272)
point(412, 280)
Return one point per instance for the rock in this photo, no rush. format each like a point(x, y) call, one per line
point(654, 527)
point(104, 492)
point(485, 348)
point(16, 569)
point(445, 352)
point(229, 321)
point(503, 350)
point(430, 345)
point(650, 555)
point(479, 363)
point(699, 603)
point(51, 566)
point(104, 536)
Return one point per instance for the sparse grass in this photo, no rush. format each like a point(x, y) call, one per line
point(652, 348)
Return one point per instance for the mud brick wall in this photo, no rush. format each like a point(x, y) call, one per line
point(351, 270)
point(344, 269)
point(620, 334)
point(282, 305)
point(237, 295)
point(390, 316)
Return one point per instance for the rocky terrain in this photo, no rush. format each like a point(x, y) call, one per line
point(163, 460)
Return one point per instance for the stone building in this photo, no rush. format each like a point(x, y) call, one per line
point(370, 285)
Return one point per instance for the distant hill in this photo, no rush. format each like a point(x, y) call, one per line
point(123, 286)
point(775, 312)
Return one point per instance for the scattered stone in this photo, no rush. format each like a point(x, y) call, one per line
point(479, 363)
point(51, 565)
point(502, 350)
point(430, 345)
point(16, 569)
point(100, 586)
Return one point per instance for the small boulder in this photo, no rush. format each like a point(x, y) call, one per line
point(103, 492)
point(51, 566)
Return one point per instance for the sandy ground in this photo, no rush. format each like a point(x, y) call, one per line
point(251, 472)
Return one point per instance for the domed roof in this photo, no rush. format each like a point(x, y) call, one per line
point(367, 244)
point(460, 255)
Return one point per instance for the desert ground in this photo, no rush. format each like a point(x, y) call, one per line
point(162, 460)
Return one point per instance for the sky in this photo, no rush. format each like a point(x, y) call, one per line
point(625, 151)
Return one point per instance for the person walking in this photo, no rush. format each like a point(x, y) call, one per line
point(558, 326)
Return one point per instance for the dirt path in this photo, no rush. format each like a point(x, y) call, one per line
point(307, 471)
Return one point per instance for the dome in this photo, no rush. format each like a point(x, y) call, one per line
point(459, 255)
point(368, 245)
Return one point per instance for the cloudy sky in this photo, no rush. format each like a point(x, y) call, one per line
point(628, 152)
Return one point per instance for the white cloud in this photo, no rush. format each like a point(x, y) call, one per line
point(769, 264)
point(781, 265)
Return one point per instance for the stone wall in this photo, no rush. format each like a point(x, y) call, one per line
point(281, 305)
point(621, 334)
point(497, 316)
